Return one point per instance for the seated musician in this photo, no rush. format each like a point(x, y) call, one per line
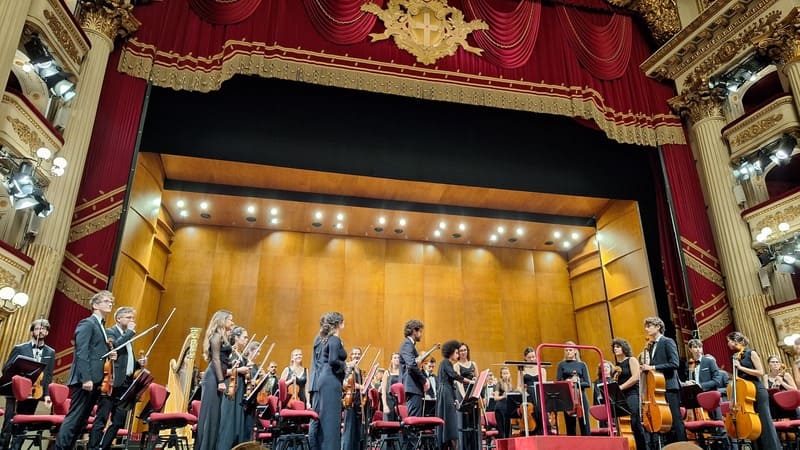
point(571, 368)
point(703, 371)
point(779, 379)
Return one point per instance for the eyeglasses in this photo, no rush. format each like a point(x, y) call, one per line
point(105, 300)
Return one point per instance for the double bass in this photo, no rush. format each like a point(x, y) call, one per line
point(741, 421)
point(656, 416)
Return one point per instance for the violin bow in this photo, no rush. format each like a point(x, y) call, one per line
point(266, 357)
point(129, 341)
point(371, 374)
point(159, 333)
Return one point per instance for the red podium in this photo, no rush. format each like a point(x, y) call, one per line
point(562, 443)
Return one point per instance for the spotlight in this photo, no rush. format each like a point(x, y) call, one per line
point(21, 184)
point(789, 259)
point(42, 208)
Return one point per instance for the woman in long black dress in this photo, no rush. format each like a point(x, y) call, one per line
point(628, 381)
point(217, 351)
point(390, 377)
point(231, 422)
point(296, 375)
point(332, 366)
point(749, 367)
point(470, 419)
point(529, 382)
point(447, 434)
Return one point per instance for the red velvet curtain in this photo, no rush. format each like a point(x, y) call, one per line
point(341, 21)
point(604, 49)
point(100, 198)
point(512, 33)
point(224, 12)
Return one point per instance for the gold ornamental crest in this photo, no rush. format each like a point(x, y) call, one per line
point(428, 29)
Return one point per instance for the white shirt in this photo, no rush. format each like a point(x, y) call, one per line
point(129, 349)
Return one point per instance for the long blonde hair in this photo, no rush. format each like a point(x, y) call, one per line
point(216, 326)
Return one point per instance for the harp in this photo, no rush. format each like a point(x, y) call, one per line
point(181, 374)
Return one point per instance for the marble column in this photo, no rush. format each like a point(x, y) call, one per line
point(739, 263)
point(12, 21)
point(102, 22)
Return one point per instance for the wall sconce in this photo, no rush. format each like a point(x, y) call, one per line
point(11, 300)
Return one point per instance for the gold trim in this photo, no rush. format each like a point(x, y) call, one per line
point(73, 290)
point(702, 269)
point(85, 267)
point(715, 324)
point(756, 129)
point(26, 135)
point(62, 35)
point(292, 64)
point(711, 303)
point(111, 18)
point(103, 220)
point(102, 197)
point(782, 44)
point(697, 248)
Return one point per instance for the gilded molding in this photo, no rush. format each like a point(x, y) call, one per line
point(25, 134)
point(428, 29)
point(62, 34)
point(698, 101)
point(756, 129)
point(703, 270)
point(73, 290)
point(111, 18)
point(456, 87)
point(7, 278)
point(716, 324)
point(660, 16)
point(783, 213)
point(781, 43)
point(98, 223)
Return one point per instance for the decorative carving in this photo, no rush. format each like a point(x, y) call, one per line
point(98, 223)
point(702, 269)
point(698, 100)
point(112, 18)
point(755, 129)
point(661, 16)
point(27, 135)
point(7, 278)
point(785, 213)
point(62, 34)
point(782, 42)
point(428, 29)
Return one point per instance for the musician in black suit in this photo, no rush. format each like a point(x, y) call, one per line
point(662, 356)
point(124, 368)
point(414, 381)
point(36, 349)
point(86, 374)
point(703, 371)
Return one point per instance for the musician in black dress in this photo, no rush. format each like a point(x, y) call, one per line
point(749, 367)
point(500, 395)
point(390, 377)
point(447, 435)
point(296, 375)
point(124, 368)
point(628, 380)
point(351, 435)
point(572, 369)
point(470, 417)
point(529, 381)
point(231, 419)
point(332, 356)
point(217, 351)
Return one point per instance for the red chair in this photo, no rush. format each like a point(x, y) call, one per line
point(789, 430)
point(292, 420)
point(489, 429)
point(600, 414)
point(30, 427)
point(706, 430)
point(382, 432)
point(157, 421)
point(418, 430)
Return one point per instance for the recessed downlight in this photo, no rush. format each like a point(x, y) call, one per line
point(251, 209)
point(273, 211)
point(204, 205)
point(180, 203)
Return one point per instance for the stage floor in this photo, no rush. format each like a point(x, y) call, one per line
point(563, 443)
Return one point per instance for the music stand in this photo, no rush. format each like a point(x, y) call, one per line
point(558, 396)
point(521, 364)
point(21, 365)
point(689, 395)
point(473, 392)
point(619, 405)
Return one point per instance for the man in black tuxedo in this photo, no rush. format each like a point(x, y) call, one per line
point(704, 372)
point(124, 367)
point(86, 374)
point(414, 380)
point(35, 349)
point(662, 356)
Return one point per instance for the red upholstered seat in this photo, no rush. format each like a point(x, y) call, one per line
point(788, 430)
point(704, 430)
point(415, 428)
point(399, 393)
point(600, 413)
point(382, 433)
point(29, 427)
point(158, 421)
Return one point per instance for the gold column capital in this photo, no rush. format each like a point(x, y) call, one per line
point(111, 18)
point(781, 43)
point(698, 101)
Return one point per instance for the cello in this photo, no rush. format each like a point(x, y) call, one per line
point(741, 421)
point(656, 416)
point(624, 427)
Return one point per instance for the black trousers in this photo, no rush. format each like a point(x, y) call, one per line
point(109, 406)
point(81, 404)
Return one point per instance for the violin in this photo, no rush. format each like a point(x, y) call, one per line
point(349, 386)
point(577, 398)
point(294, 390)
point(231, 392)
point(37, 390)
point(741, 421)
point(108, 373)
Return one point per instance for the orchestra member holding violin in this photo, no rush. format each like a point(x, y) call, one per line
point(703, 371)
point(778, 377)
point(88, 373)
point(662, 356)
point(329, 357)
point(38, 350)
point(390, 377)
point(296, 376)
point(571, 368)
point(749, 367)
point(217, 351)
point(605, 369)
point(413, 377)
point(471, 417)
point(528, 379)
point(500, 395)
point(351, 437)
point(124, 368)
point(447, 434)
point(231, 419)
point(627, 378)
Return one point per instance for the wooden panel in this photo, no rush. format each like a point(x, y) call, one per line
point(363, 292)
point(590, 332)
point(404, 291)
point(158, 261)
point(620, 230)
point(129, 282)
point(146, 190)
point(628, 313)
point(520, 306)
point(627, 273)
point(443, 295)
point(588, 289)
point(137, 239)
point(482, 302)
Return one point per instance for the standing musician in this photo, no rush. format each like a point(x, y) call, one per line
point(38, 350)
point(471, 417)
point(217, 351)
point(390, 377)
point(231, 416)
point(430, 366)
point(528, 380)
point(571, 368)
point(86, 374)
point(329, 356)
point(500, 395)
point(703, 371)
point(353, 416)
point(414, 380)
point(124, 367)
point(749, 367)
point(296, 376)
point(778, 377)
point(663, 357)
point(271, 386)
point(447, 434)
point(628, 380)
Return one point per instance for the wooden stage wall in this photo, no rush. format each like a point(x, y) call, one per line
point(278, 283)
